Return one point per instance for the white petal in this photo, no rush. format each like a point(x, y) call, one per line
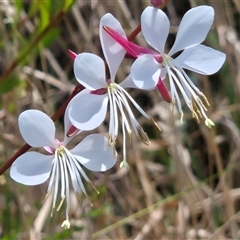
point(193, 28)
point(201, 59)
point(89, 70)
point(128, 82)
point(145, 72)
point(31, 168)
point(94, 153)
point(87, 111)
point(37, 128)
point(67, 127)
point(155, 27)
point(112, 51)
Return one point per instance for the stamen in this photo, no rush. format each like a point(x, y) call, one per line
point(205, 98)
point(60, 204)
point(48, 193)
point(111, 141)
point(181, 117)
point(201, 103)
point(194, 114)
point(88, 199)
point(142, 135)
point(196, 108)
point(53, 208)
point(155, 124)
point(94, 187)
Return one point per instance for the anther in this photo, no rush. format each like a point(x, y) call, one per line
point(48, 193)
point(130, 137)
point(53, 208)
point(143, 136)
point(88, 199)
point(110, 140)
point(60, 204)
point(201, 103)
point(94, 187)
point(181, 117)
point(155, 124)
point(205, 98)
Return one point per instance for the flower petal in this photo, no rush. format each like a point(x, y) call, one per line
point(89, 70)
point(193, 28)
point(128, 82)
point(112, 51)
point(94, 154)
point(87, 111)
point(155, 27)
point(201, 59)
point(31, 168)
point(37, 128)
point(69, 128)
point(145, 72)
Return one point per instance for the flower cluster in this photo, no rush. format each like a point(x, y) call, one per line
point(88, 109)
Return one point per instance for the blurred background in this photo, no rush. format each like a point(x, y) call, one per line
point(185, 185)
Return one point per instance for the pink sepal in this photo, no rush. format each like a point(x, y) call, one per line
point(72, 54)
point(132, 48)
point(163, 91)
point(52, 150)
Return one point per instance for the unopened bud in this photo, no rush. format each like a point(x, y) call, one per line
point(72, 54)
point(157, 3)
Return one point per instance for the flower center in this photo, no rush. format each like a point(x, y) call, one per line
point(112, 88)
point(60, 151)
point(167, 61)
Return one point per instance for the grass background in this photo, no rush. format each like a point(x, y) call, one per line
point(185, 185)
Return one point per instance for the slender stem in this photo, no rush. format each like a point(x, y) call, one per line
point(134, 33)
point(54, 117)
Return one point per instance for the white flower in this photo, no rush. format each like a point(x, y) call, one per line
point(195, 57)
point(87, 110)
point(63, 165)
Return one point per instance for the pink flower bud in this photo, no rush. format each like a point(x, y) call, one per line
point(157, 3)
point(72, 54)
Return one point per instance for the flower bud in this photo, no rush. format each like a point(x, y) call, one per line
point(157, 3)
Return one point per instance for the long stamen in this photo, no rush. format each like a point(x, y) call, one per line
point(122, 90)
point(56, 185)
point(111, 120)
point(188, 90)
point(138, 129)
point(123, 115)
point(124, 125)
